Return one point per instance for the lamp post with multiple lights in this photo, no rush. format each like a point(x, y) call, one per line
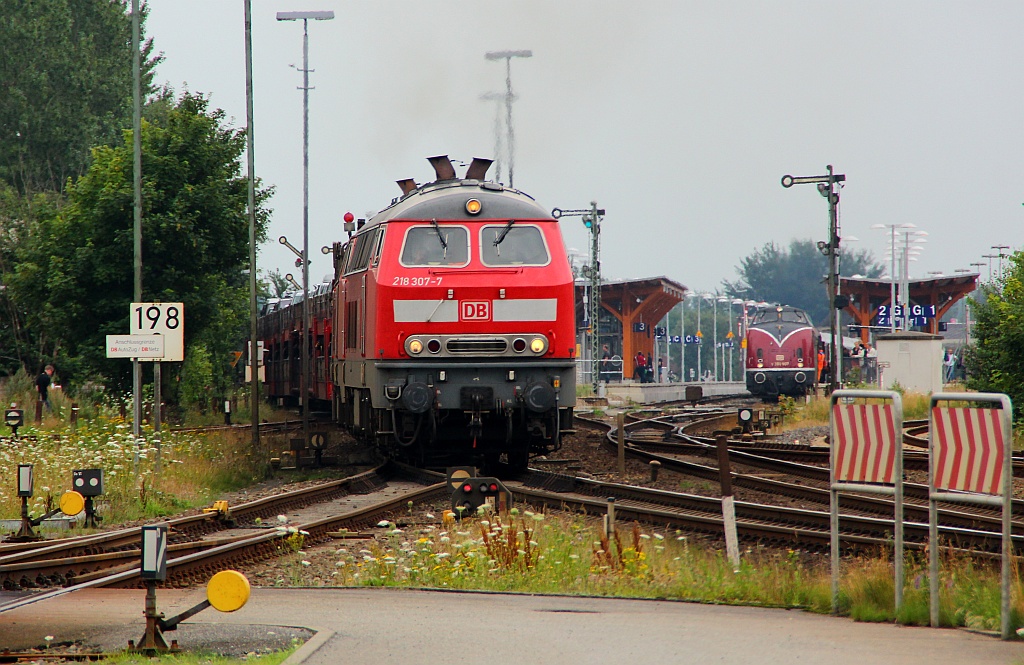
point(305, 340)
point(999, 252)
point(510, 144)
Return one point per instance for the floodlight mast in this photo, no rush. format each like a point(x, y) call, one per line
point(306, 340)
point(828, 186)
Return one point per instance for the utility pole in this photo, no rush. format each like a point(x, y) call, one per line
point(592, 218)
point(254, 359)
point(828, 186)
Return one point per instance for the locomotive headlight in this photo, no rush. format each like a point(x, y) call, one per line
point(537, 345)
point(415, 347)
point(473, 206)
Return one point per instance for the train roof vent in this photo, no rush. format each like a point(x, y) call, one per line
point(477, 345)
point(442, 167)
point(407, 185)
point(478, 169)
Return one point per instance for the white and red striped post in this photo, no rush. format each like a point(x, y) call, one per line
point(866, 455)
point(969, 461)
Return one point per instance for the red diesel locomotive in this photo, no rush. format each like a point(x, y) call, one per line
point(782, 352)
point(448, 336)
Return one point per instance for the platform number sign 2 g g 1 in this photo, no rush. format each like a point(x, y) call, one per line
point(166, 318)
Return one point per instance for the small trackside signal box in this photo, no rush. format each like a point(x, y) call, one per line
point(87, 482)
point(154, 553)
point(472, 493)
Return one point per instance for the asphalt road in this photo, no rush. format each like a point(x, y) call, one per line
point(372, 626)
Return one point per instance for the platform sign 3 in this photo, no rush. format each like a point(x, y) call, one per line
point(166, 318)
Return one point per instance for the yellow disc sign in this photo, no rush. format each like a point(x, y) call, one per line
point(71, 503)
point(228, 590)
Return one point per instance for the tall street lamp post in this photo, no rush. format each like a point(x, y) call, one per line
point(305, 340)
point(892, 269)
point(510, 143)
point(700, 338)
point(999, 252)
point(682, 340)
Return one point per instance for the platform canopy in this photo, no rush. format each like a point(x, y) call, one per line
point(636, 301)
point(868, 294)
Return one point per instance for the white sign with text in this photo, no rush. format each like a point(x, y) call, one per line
point(135, 346)
point(163, 318)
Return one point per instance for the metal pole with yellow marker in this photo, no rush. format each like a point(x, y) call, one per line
point(226, 591)
point(71, 504)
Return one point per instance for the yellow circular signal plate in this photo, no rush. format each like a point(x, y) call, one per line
point(71, 503)
point(228, 590)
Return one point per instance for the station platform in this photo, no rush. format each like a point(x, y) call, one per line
point(633, 392)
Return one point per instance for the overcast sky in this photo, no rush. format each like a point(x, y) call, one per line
point(679, 118)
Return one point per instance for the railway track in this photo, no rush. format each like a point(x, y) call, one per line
point(251, 533)
point(643, 436)
point(201, 545)
point(792, 527)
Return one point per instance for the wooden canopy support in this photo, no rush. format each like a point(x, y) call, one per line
point(867, 295)
point(640, 301)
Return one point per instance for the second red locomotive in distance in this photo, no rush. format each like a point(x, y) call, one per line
point(782, 353)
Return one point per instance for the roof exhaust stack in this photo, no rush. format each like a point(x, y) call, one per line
point(442, 167)
point(407, 185)
point(478, 169)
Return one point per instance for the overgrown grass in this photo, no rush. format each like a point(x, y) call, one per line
point(194, 468)
point(534, 553)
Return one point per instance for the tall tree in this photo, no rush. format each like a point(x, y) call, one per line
point(78, 266)
point(66, 76)
point(995, 361)
point(796, 276)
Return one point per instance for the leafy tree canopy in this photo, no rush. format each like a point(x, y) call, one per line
point(995, 362)
point(77, 265)
point(796, 276)
point(66, 77)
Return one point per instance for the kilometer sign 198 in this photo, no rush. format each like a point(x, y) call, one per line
point(166, 318)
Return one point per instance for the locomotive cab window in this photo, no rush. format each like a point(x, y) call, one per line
point(362, 248)
point(435, 246)
point(512, 244)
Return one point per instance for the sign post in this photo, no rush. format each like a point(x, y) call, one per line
point(866, 455)
point(167, 319)
point(969, 451)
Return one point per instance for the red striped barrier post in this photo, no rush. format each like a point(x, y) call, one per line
point(969, 461)
point(866, 455)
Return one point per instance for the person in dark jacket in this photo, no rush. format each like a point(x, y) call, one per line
point(43, 386)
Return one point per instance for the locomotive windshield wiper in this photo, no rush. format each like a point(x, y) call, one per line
point(505, 232)
point(501, 236)
point(444, 243)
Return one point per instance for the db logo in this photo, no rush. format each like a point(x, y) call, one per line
point(470, 310)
